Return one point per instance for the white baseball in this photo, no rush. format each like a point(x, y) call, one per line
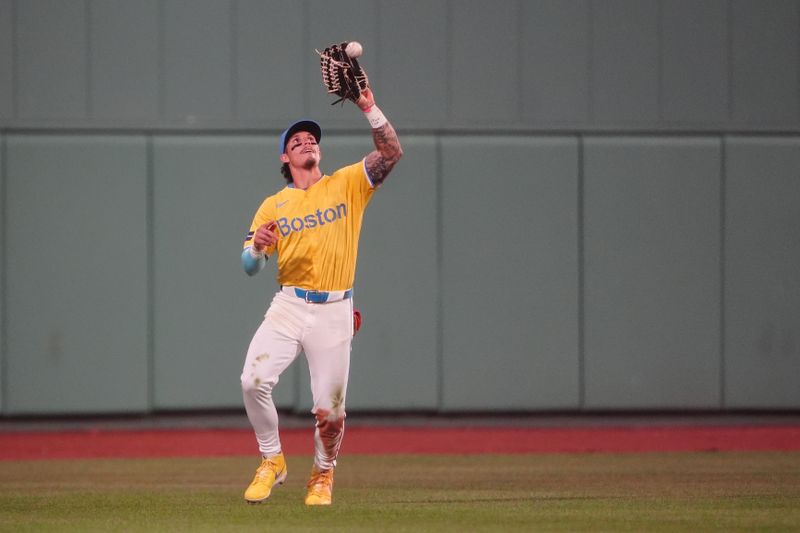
point(354, 49)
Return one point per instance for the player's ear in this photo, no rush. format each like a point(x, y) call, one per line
point(284, 158)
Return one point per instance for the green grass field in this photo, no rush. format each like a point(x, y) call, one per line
point(714, 491)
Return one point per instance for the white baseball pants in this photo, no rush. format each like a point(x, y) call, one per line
point(324, 332)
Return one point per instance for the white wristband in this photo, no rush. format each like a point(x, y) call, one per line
point(375, 117)
point(256, 253)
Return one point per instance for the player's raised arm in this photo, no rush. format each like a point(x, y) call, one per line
point(387, 146)
point(343, 76)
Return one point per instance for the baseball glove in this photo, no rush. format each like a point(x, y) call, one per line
point(341, 74)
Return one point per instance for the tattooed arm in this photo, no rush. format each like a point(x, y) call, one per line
point(388, 150)
point(381, 161)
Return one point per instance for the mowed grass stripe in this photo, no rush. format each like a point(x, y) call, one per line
point(715, 491)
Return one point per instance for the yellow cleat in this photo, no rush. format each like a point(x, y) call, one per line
point(271, 472)
point(320, 487)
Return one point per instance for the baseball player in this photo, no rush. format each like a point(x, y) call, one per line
point(313, 224)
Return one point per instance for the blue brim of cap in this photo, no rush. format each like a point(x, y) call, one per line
point(301, 125)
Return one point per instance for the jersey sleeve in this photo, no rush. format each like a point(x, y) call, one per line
point(359, 185)
point(264, 214)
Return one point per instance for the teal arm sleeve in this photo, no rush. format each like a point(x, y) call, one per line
point(252, 265)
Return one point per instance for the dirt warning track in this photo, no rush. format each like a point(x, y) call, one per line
point(97, 443)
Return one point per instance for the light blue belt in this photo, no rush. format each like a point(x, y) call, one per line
point(321, 297)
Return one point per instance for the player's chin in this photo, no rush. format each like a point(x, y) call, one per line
point(311, 161)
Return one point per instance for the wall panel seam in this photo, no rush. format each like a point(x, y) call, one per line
point(730, 62)
point(409, 131)
point(234, 58)
point(306, 94)
point(448, 74)
point(439, 236)
point(722, 249)
point(520, 63)
point(590, 61)
point(150, 266)
point(378, 44)
point(89, 96)
point(14, 61)
point(581, 276)
point(660, 59)
point(3, 274)
point(161, 59)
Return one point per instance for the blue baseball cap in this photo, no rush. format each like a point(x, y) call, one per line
point(301, 125)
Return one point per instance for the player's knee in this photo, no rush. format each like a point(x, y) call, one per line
point(255, 385)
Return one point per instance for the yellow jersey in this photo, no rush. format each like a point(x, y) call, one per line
point(318, 229)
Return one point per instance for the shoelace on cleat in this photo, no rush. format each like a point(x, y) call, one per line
point(320, 481)
point(266, 467)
